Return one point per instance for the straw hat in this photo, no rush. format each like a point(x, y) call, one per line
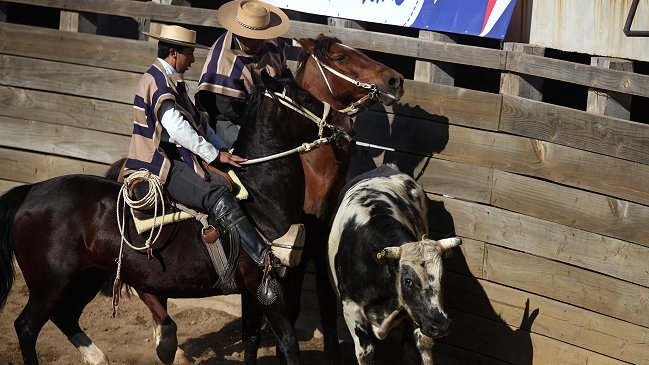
point(253, 19)
point(174, 34)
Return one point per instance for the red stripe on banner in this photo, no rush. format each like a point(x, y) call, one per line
point(490, 7)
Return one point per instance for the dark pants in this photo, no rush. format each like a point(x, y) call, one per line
point(185, 186)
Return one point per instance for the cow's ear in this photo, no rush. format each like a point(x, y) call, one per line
point(389, 253)
point(447, 245)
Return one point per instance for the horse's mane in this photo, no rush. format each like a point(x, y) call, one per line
point(285, 82)
point(322, 45)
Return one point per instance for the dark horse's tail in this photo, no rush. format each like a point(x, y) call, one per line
point(9, 204)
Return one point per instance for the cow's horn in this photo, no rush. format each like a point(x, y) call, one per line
point(449, 243)
point(390, 253)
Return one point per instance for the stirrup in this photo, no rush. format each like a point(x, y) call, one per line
point(268, 290)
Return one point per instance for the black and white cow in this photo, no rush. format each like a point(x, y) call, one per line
point(384, 267)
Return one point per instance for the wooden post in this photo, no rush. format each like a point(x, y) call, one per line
point(154, 28)
point(610, 103)
point(525, 86)
point(435, 72)
point(69, 21)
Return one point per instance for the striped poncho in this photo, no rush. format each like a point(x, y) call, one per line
point(145, 151)
point(229, 71)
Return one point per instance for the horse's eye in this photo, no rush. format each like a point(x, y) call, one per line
point(408, 282)
point(340, 58)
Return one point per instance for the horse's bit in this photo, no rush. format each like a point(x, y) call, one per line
point(354, 107)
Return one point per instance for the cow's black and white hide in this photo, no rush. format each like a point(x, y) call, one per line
point(382, 264)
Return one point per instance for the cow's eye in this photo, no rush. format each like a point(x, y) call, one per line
point(408, 282)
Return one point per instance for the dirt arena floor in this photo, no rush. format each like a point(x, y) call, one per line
point(207, 335)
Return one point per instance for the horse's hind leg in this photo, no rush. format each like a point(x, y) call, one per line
point(164, 332)
point(29, 324)
point(68, 311)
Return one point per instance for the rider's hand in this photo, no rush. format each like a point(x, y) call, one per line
point(228, 158)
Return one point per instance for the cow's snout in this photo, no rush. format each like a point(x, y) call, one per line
point(440, 329)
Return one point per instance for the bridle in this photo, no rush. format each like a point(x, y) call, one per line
point(354, 107)
point(337, 133)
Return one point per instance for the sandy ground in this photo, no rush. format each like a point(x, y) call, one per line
point(207, 335)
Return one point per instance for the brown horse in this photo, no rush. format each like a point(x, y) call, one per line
point(63, 233)
point(350, 82)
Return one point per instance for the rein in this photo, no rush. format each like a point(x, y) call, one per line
point(321, 122)
point(353, 108)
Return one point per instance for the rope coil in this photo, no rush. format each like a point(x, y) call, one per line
point(152, 199)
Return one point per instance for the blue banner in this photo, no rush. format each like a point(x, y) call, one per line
point(484, 18)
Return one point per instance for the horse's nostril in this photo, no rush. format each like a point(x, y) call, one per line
point(395, 82)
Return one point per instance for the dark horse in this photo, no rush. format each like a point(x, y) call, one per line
point(349, 81)
point(63, 233)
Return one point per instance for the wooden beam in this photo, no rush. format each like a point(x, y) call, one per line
point(575, 208)
point(73, 111)
point(376, 41)
point(575, 128)
point(525, 86)
point(554, 241)
point(435, 72)
point(578, 287)
point(448, 104)
point(591, 76)
point(63, 141)
point(546, 317)
point(612, 104)
point(31, 167)
point(85, 49)
point(513, 345)
point(6, 185)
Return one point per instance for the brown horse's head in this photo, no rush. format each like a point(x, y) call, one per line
point(345, 77)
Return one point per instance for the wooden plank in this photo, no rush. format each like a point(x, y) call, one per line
point(86, 49)
point(6, 185)
point(381, 42)
point(574, 128)
point(572, 207)
point(565, 165)
point(66, 78)
point(606, 255)
point(514, 345)
point(468, 259)
point(579, 287)
point(29, 167)
point(543, 316)
point(447, 104)
point(437, 176)
point(63, 140)
point(575, 73)
point(74, 111)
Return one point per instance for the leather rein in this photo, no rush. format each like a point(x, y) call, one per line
point(321, 122)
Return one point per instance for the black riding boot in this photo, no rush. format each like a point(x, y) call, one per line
point(230, 220)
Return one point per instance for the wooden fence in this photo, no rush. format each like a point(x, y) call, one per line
point(551, 202)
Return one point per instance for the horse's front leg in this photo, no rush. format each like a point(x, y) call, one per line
point(164, 331)
point(252, 314)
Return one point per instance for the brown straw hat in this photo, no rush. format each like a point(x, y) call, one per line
point(253, 19)
point(174, 34)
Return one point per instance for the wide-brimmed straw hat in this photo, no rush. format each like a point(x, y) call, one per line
point(174, 34)
point(253, 19)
